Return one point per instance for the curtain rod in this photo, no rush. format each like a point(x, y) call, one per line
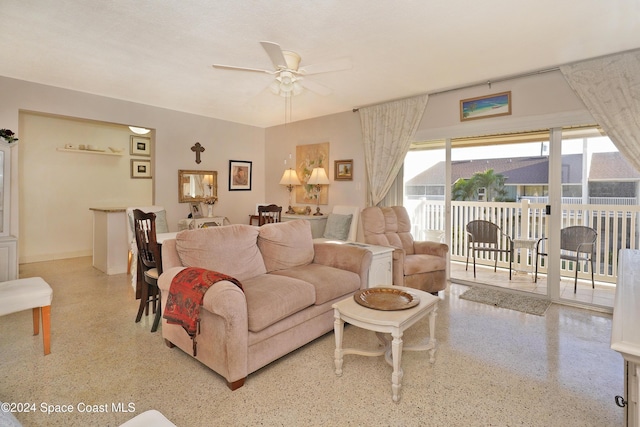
point(488, 82)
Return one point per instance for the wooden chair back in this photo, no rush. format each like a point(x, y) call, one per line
point(269, 214)
point(145, 231)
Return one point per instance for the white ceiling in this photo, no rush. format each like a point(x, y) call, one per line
point(160, 52)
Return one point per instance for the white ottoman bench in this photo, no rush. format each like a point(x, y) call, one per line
point(22, 294)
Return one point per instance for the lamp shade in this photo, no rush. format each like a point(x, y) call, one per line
point(318, 177)
point(290, 177)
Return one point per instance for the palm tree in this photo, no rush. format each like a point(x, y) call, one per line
point(491, 181)
point(463, 189)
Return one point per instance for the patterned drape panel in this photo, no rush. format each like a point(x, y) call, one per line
point(610, 88)
point(387, 130)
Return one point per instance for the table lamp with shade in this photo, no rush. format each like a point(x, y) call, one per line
point(290, 179)
point(318, 178)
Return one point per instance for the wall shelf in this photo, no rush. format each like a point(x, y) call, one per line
point(102, 153)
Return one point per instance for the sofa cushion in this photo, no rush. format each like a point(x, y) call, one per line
point(271, 298)
point(286, 244)
point(338, 226)
point(329, 282)
point(231, 250)
point(422, 263)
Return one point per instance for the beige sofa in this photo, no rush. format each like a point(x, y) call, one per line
point(289, 284)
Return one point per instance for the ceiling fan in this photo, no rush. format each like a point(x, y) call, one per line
point(290, 78)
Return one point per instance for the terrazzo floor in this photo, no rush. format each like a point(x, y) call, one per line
point(494, 367)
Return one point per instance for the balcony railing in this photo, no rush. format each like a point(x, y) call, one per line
point(618, 227)
point(625, 201)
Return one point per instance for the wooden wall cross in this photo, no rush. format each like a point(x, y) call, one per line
point(198, 149)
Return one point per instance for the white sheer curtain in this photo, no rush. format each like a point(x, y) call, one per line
point(610, 88)
point(387, 130)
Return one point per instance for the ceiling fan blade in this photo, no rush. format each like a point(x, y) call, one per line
point(314, 86)
point(231, 67)
point(275, 53)
point(327, 67)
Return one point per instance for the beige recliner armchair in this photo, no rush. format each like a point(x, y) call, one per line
point(419, 265)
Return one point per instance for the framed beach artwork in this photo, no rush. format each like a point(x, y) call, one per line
point(482, 107)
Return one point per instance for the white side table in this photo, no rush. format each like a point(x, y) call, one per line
point(393, 322)
point(530, 246)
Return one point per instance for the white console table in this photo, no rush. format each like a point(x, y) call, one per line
point(625, 333)
point(381, 269)
point(204, 222)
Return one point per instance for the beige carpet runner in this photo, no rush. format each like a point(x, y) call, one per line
point(509, 300)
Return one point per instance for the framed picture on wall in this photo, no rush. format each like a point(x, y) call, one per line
point(343, 170)
point(240, 175)
point(140, 168)
point(482, 107)
point(140, 146)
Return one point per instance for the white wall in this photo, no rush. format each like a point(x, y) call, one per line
point(175, 134)
point(342, 132)
point(56, 195)
point(539, 101)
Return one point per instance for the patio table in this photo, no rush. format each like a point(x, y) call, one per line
point(530, 246)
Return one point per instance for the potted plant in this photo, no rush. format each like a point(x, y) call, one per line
point(8, 135)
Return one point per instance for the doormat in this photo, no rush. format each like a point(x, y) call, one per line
point(509, 300)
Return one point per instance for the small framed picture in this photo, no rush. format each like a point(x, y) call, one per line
point(140, 168)
point(482, 107)
point(196, 210)
point(140, 146)
point(343, 170)
point(239, 175)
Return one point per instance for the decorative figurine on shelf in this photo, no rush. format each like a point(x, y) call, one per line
point(210, 201)
point(8, 135)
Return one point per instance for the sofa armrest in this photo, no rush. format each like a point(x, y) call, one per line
point(344, 257)
point(225, 328)
point(431, 248)
point(223, 298)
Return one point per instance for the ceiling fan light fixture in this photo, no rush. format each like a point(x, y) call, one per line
point(297, 88)
point(286, 85)
point(274, 87)
point(286, 78)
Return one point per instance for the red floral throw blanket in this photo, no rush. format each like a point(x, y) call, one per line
point(185, 298)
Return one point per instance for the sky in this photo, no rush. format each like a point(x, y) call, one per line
point(418, 161)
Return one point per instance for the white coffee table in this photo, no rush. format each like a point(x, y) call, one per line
point(386, 322)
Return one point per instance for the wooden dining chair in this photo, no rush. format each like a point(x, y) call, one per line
point(269, 214)
point(149, 264)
